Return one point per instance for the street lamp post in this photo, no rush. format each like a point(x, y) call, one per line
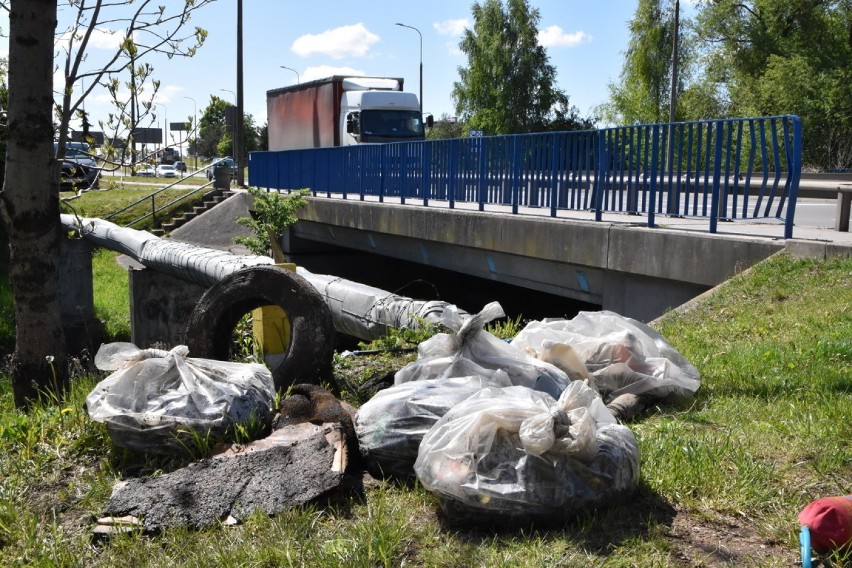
point(421, 61)
point(235, 131)
point(298, 79)
point(165, 125)
point(194, 127)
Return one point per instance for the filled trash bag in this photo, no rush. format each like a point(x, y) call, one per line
point(471, 350)
point(391, 424)
point(158, 401)
point(624, 356)
point(514, 455)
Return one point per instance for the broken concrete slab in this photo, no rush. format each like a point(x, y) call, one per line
point(290, 467)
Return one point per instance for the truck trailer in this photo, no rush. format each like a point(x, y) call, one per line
point(342, 111)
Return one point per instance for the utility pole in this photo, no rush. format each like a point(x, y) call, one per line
point(673, 98)
point(240, 123)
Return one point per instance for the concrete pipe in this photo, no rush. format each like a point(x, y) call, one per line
point(308, 353)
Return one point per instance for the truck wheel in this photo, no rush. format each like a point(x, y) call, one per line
point(308, 354)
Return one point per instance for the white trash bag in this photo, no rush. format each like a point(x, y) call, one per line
point(391, 424)
point(514, 455)
point(471, 350)
point(624, 356)
point(156, 400)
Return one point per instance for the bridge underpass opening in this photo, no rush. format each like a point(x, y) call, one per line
point(422, 282)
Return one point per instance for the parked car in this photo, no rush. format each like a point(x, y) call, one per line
point(225, 163)
point(145, 170)
point(166, 171)
point(79, 169)
point(180, 166)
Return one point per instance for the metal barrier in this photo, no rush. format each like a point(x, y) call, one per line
point(729, 169)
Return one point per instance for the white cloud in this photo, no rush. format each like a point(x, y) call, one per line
point(451, 27)
point(453, 48)
point(345, 41)
point(554, 36)
point(323, 71)
point(100, 39)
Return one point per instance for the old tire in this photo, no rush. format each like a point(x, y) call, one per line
point(308, 355)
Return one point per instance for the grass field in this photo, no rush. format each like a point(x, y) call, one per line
point(723, 475)
point(124, 191)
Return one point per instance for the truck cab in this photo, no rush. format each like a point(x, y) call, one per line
point(380, 116)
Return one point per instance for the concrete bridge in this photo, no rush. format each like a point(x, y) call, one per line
point(618, 264)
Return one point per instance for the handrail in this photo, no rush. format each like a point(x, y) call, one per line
point(154, 211)
point(725, 169)
point(162, 189)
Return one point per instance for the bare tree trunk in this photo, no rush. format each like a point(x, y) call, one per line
point(29, 204)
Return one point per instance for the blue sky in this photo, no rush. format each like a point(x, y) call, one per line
point(585, 40)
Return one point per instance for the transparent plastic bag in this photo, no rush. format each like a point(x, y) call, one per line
point(471, 350)
point(391, 424)
point(624, 356)
point(512, 455)
point(156, 401)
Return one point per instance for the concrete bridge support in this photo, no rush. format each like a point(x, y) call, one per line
point(635, 271)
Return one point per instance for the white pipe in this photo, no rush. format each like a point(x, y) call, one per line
point(356, 309)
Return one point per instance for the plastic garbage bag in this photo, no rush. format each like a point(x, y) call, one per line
point(471, 350)
point(156, 400)
point(624, 356)
point(515, 455)
point(391, 424)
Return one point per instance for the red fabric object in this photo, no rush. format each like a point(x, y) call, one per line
point(830, 522)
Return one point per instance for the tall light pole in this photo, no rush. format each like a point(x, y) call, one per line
point(298, 79)
point(421, 61)
point(194, 127)
point(673, 98)
point(239, 123)
point(234, 127)
point(165, 125)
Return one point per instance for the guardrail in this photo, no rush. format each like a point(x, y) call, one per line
point(746, 168)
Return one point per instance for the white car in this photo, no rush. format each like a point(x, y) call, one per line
point(145, 171)
point(166, 171)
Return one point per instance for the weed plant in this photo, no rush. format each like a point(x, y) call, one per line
point(723, 475)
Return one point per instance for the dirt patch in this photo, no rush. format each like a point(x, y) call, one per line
point(726, 542)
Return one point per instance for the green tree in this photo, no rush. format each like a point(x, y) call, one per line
point(786, 57)
point(216, 137)
point(508, 85)
point(145, 30)
point(643, 90)
point(446, 127)
point(29, 200)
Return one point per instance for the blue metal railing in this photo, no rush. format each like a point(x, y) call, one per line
point(728, 169)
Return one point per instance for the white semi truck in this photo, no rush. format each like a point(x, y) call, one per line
point(341, 111)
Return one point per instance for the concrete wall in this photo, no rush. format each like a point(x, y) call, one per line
point(160, 307)
point(636, 271)
point(83, 330)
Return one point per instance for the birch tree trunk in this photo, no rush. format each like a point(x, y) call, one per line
point(29, 204)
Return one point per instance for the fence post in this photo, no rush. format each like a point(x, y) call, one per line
point(717, 173)
point(516, 174)
point(426, 175)
point(600, 173)
point(482, 182)
point(153, 212)
point(451, 174)
point(794, 166)
point(655, 161)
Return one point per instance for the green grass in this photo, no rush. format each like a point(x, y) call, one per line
point(111, 298)
point(767, 432)
point(111, 295)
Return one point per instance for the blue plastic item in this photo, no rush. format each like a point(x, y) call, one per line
point(805, 546)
